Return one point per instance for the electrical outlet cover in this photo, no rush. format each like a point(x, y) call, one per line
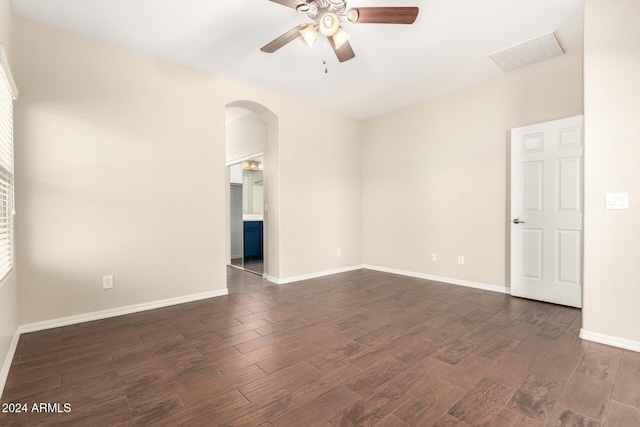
point(107, 282)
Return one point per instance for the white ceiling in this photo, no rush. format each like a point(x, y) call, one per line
point(395, 65)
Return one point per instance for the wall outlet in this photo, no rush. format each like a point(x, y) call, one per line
point(107, 282)
point(434, 256)
point(460, 260)
point(338, 252)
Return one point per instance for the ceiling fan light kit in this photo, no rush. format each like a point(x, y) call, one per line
point(327, 16)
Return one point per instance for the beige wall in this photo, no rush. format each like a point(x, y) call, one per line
point(245, 136)
point(321, 195)
point(121, 164)
point(116, 156)
point(8, 286)
point(435, 174)
point(612, 153)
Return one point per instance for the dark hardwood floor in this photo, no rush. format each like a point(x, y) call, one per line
point(355, 349)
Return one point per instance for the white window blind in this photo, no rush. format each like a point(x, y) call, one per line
point(6, 173)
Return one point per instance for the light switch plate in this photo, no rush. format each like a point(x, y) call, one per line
point(617, 201)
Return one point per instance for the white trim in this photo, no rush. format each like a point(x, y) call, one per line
point(271, 279)
point(460, 282)
point(286, 280)
point(4, 372)
point(242, 159)
point(610, 340)
point(7, 72)
point(97, 315)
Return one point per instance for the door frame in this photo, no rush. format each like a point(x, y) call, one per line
point(228, 208)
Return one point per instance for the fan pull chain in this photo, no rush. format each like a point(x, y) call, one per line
point(324, 57)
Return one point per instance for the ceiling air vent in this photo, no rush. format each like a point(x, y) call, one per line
point(529, 52)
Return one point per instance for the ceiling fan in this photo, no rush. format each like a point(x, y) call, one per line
point(327, 16)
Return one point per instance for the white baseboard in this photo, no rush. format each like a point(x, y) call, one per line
point(270, 278)
point(104, 314)
point(284, 281)
point(467, 283)
point(4, 372)
point(610, 340)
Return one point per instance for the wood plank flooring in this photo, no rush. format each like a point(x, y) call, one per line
point(362, 348)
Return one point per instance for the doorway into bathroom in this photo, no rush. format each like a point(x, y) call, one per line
point(246, 194)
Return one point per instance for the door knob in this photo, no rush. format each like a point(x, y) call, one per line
point(517, 221)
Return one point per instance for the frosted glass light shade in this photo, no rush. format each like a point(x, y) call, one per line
point(309, 34)
point(340, 38)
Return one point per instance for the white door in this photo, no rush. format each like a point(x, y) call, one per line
point(546, 211)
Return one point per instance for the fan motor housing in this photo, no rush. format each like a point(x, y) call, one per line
point(317, 8)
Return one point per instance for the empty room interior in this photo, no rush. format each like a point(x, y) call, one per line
point(323, 212)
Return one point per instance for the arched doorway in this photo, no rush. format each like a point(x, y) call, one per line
point(247, 123)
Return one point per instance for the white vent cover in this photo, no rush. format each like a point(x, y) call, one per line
point(529, 52)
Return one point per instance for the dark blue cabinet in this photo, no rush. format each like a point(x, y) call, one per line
point(253, 241)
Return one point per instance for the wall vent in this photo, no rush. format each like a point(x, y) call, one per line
point(529, 52)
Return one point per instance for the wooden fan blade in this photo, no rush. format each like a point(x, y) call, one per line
point(383, 15)
point(345, 52)
point(287, 37)
point(289, 3)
